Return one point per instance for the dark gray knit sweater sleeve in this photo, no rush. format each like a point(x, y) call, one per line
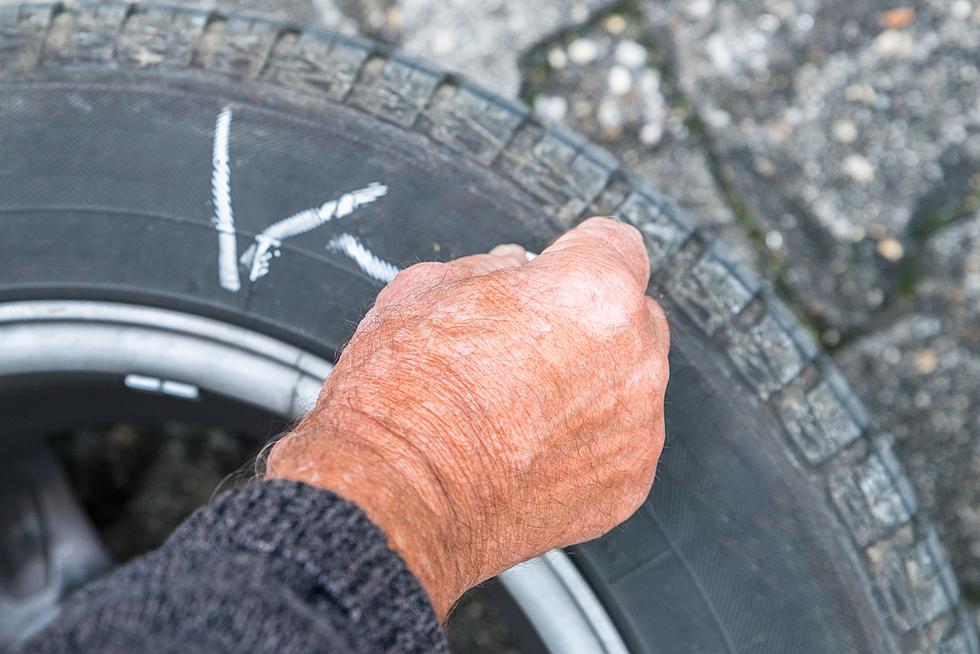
point(275, 566)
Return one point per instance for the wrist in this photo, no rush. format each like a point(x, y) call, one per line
point(360, 460)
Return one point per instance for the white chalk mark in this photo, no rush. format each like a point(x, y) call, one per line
point(259, 255)
point(381, 270)
point(223, 219)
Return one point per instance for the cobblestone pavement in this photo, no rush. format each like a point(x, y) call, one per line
point(834, 144)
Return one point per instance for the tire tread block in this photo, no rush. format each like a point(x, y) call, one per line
point(317, 65)
point(157, 39)
point(705, 286)
point(22, 32)
point(914, 577)
point(90, 34)
point(822, 419)
point(236, 46)
point(769, 350)
point(556, 169)
point(471, 123)
point(396, 90)
point(874, 497)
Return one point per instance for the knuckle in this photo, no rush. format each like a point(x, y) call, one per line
point(621, 278)
point(421, 271)
point(413, 279)
point(626, 304)
point(598, 274)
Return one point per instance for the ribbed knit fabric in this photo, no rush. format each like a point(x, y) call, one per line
point(275, 566)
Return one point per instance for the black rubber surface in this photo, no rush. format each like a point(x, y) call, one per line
point(780, 522)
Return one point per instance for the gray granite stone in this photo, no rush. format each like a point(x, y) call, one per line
point(921, 377)
point(485, 40)
point(604, 83)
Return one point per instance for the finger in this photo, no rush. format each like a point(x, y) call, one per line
point(502, 256)
point(511, 250)
point(609, 243)
point(658, 319)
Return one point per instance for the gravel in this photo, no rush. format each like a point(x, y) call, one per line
point(605, 83)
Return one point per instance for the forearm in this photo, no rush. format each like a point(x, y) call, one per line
point(275, 567)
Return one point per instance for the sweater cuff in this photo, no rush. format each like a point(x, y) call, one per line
point(336, 545)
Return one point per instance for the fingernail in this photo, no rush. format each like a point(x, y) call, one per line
point(598, 222)
point(508, 250)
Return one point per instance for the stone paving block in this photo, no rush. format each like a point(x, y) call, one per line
point(838, 132)
point(485, 40)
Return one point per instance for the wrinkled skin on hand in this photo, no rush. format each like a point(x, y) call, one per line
point(489, 409)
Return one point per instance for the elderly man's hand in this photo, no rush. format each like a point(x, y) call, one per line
point(489, 409)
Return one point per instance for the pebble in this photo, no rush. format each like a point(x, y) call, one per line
point(552, 107)
point(897, 18)
point(859, 169)
point(619, 80)
point(960, 9)
point(557, 58)
point(609, 115)
point(650, 82)
point(863, 93)
point(699, 8)
point(765, 167)
point(615, 24)
point(393, 19)
point(631, 54)
point(890, 249)
point(651, 133)
point(926, 361)
point(443, 42)
point(583, 51)
point(720, 54)
point(845, 131)
point(894, 44)
point(717, 118)
point(831, 337)
point(768, 22)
